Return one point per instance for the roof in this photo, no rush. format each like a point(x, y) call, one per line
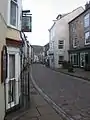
point(80, 15)
point(63, 15)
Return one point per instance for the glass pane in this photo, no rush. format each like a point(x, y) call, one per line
point(11, 66)
point(86, 20)
point(11, 91)
point(13, 13)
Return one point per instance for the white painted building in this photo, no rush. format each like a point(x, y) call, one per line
point(59, 38)
point(13, 41)
point(36, 58)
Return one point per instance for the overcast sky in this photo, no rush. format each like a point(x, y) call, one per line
point(43, 12)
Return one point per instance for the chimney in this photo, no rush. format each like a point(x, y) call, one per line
point(87, 6)
point(59, 17)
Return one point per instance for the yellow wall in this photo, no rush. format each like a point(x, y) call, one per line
point(3, 29)
point(13, 33)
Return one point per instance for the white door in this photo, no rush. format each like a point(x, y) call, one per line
point(12, 81)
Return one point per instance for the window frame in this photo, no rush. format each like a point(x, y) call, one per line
point(60, 44)
point(85, 18)
point(16, 3)
point(60, 61)
point(87, 38)
point(74, 46)
point(73, 60)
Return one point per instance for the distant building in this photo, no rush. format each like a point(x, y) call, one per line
point(46, 54)
point(38, 51)
point(36, 59)
point(59, 38)
point(79, 38)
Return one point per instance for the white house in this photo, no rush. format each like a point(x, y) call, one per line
point(13, 42)
point(59, 38)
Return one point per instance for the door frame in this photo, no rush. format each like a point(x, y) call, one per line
point(83, 53)
point(13, 51)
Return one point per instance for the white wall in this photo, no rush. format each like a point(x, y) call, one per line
point(60, 31)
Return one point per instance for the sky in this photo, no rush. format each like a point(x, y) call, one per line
point(43, 13)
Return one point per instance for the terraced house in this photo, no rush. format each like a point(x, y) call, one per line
point(59, 38)
point(79, 29)
point(13, 42)
point(10, 41)
point(3, 30)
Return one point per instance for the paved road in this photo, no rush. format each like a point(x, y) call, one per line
point(70, 93)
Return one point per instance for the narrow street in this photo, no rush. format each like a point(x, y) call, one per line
point(70, 93)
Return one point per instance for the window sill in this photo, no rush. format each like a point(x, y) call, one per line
point(13, 27)
point(87, 43)
point(74, 46)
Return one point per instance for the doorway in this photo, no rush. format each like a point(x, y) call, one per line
point(12, 81)
point(82, 59)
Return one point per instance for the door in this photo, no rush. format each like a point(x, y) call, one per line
point(86, 58)
point(12, 81)
point(82, 59)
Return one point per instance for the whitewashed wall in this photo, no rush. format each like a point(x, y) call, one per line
point(60, 31)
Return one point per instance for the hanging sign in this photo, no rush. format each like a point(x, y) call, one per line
point(26, 23)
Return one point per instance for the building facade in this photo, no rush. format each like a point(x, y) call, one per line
point(46, 55)
point(80, 39)
point(59, 38)
point(3, 30)
point(13, 43)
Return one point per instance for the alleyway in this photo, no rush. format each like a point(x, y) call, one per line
point(70, 93)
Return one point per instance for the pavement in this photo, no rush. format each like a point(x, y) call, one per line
point(80, 73)
point(39, 109)
point(71, 94)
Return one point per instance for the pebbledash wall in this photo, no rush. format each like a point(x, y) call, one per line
point(3, 30)
point(60, 31)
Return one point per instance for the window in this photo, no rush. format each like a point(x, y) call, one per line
point(74, 59)
point(61, 58)
point(11, 66)
point(74, 27)
point(60, 44)
point(13, 12)
point(87, 38)
point(86, 20)
point(75, 42)
point(11, 91)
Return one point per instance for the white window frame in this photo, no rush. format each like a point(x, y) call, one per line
point(86, 17)
point(74, 46)
point(88, 38)
point(14, 51)
point(16, 26)
point(60, 44)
